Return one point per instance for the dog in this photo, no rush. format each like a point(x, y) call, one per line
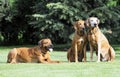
point(98, 41)
point(38, 54)
point(78, 49)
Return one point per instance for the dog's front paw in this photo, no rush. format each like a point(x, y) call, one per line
point(104, 60)
point(98, 61)
point(76, 61)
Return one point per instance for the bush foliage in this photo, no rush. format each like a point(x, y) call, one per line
point(27, 21)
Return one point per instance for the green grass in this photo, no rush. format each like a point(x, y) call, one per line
point(65, 69)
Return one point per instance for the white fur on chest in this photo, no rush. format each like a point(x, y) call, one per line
point(80, 41)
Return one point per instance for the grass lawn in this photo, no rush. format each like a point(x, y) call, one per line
point(65, 69)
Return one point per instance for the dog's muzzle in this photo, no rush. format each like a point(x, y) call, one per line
point(50, 48)
point(93, 25)
point(81, 31)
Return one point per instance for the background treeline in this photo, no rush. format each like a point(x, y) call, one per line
point(27, 21)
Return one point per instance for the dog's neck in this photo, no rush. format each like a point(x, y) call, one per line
point(93, 30)
point(42, 50)
point(80, 34)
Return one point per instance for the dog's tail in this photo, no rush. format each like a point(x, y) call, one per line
point(11, 56)
point(112, 53)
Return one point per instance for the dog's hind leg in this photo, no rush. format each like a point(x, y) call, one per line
point(68, 54)
point(84, 53)
point(12, 56)
point(111, 53)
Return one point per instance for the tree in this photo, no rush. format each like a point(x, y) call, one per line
point(57, 19)
point(4, 21)
point(28, 21)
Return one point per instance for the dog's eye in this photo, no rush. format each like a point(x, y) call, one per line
point(91, 20)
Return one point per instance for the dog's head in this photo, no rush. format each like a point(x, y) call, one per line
point(92, 22)
point(79, 27)
point(46, 44)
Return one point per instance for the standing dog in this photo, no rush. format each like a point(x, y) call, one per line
point(78, 49)
point(39, 54)
point(98, 41)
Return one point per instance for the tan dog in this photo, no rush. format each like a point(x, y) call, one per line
point(39, 54)
point(78, 49)
point(98, 41)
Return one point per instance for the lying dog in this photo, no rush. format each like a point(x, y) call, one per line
point(78, 49)
point(39, 54)
point(98, 41)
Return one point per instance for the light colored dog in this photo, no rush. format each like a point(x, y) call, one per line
point(98, 41)
point(38, 54)
point(78, 49)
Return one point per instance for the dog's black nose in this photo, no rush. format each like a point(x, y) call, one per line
point(95, 24)
point(82, 29)
point(51, 46)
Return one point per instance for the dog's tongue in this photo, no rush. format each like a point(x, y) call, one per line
point(50, 49)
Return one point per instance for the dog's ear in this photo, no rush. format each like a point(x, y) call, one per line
point(87, 23)
point(98, 21)
point(75, 25)
point(40, 43)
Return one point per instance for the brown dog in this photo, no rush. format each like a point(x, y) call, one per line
point(78, 49)
point(38, 54)
point(98, 41)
